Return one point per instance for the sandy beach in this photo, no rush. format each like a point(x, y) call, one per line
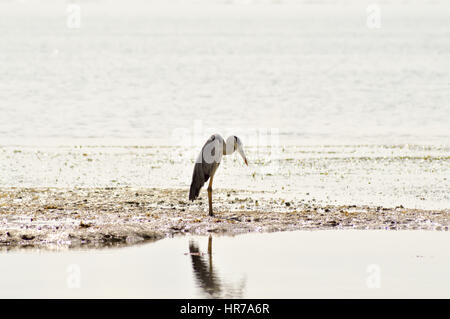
point(55, 218)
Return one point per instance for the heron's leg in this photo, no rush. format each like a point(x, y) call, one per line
point(210, 196)
point(210, 252)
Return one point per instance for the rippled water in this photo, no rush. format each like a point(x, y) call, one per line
point(321, 264)
point(140, 70)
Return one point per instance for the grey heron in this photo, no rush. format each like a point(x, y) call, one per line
point(209, 160)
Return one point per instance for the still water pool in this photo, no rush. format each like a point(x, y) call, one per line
point(302, 264)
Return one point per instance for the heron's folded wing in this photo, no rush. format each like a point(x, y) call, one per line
point(202, 168)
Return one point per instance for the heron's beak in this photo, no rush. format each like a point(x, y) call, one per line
point(241, 151)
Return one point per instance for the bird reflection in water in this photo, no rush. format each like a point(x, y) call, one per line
point(207, 277)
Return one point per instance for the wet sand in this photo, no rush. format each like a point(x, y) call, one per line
point(62, 218)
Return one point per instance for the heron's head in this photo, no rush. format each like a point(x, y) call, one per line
point(234, 144)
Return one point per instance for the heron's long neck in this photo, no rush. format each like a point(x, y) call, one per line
point(225, 149)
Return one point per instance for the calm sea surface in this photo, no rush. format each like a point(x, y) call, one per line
point(143, 69)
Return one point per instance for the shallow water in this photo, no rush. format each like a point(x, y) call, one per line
point(414, 176)
point(327, 264)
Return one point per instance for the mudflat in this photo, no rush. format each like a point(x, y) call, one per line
point(63, 218)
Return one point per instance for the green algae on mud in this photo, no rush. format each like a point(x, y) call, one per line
point(62, 218)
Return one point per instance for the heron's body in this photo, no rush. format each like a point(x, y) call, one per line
point(204, 169)
point(209, 160)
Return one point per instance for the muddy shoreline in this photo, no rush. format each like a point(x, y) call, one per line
point(58, 218)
